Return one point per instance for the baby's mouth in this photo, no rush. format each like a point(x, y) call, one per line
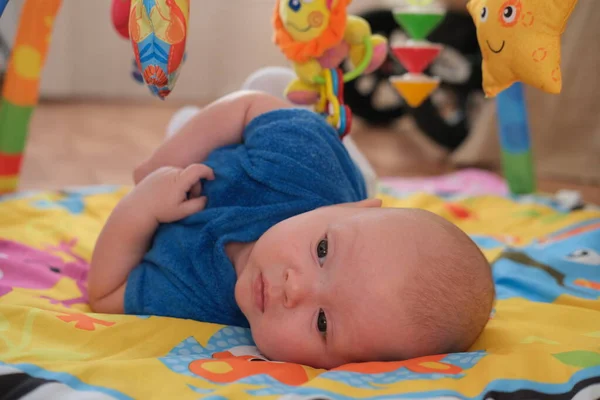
point(496, 51)
point(259, 292)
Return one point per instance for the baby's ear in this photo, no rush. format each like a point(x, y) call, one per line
point(368, 203)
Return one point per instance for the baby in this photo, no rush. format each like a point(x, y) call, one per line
point(254, 215)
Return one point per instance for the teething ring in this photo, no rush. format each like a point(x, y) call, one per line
point(349, 120)
point(362, 67)
point(331, 102)
point(346, 111)
point(334, 102)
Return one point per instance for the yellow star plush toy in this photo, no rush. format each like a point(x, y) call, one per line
point(520, 42)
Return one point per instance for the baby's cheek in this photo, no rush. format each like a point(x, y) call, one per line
point(267, 342)
point(277, 341)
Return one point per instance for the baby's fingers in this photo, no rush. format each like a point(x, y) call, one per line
point(192, 206)
point(196, 190)
point(192, 174)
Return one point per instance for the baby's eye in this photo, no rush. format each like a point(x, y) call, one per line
point(322, 251)
point(322, 322)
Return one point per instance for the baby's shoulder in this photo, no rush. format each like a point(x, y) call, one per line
point(293, 124)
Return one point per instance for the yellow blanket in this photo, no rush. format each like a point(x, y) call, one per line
point(543, 340)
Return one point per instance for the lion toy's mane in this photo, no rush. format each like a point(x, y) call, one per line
point(302, 52)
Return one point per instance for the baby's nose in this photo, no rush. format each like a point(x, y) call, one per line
point(295, 289)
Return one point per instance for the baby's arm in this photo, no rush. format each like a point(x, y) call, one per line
point(160, 198)
point(220, 124)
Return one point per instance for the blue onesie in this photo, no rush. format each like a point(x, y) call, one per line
point(290, 162)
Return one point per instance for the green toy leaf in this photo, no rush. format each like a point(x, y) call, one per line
point(583, 359)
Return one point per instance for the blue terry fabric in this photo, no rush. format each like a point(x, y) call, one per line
point(290, 162)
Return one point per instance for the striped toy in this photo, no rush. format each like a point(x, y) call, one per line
point(21, 87)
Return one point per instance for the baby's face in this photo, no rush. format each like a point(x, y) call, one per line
point(322, 289)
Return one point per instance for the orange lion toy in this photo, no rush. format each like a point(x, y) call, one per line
point(317, 35)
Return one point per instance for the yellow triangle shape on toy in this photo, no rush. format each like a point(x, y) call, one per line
point(537, 339)
point(415, 89)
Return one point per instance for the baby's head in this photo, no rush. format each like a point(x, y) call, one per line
point(357, 282)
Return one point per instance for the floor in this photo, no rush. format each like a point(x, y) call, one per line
point(89, 143)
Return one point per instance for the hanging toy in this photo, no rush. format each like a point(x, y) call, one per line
point(120, 18)
point(21, 89)
point(418, 19)
point(520, 43)
point(331, 102)
point(119, 13)
point(136, 74)
point(157, 30)
point(317, 36)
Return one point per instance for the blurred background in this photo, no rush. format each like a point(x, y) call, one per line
point(95, 122)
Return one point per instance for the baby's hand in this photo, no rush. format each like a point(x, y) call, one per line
point(141, 171)
point(165, 191)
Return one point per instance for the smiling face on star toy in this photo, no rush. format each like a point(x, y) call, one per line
point(520, 42)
